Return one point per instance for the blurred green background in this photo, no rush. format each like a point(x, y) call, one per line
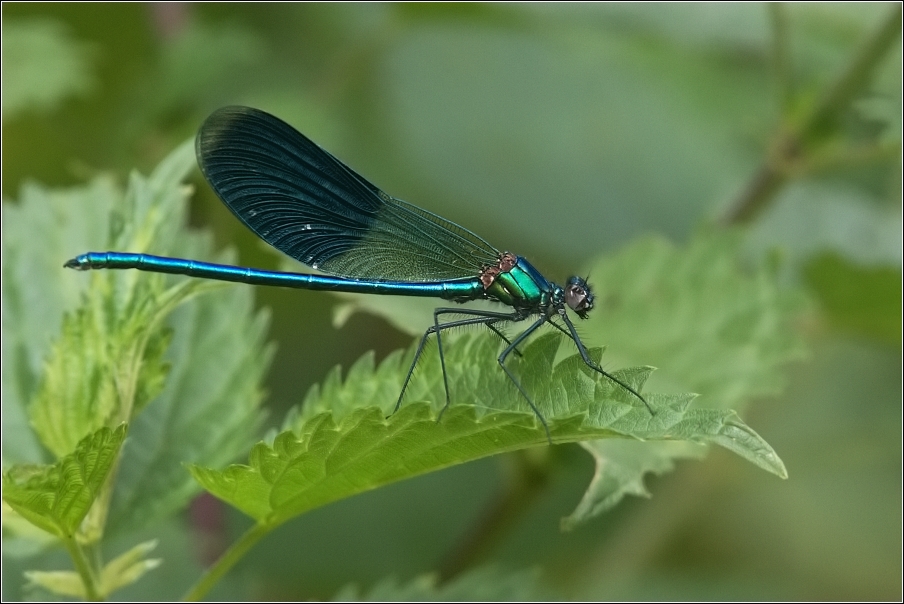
point(558, 132)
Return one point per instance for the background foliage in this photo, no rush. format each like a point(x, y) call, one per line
point(560, 133)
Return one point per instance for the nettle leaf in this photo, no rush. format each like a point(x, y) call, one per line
point(217, 360)
point(37, 292)
point(130, 342)
point(345, 444)
point(712, 326)
point(620, 470)
point(214, 365)
point(57, 497)
point(106, 363)
point(21, 538)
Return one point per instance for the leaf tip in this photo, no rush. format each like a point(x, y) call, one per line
point(780, 470)
point(152, 563)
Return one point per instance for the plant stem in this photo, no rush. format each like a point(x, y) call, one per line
point(84, 568)
point(527, 480)
point(638, 538)
point(789, 143)
point(856, 76)
point(226, 561)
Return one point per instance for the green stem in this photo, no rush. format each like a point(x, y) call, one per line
point(226, 561)
point(84, 568)
point(630, 550)
point(527, 480)
point(789, 144)
point(761, 189)
point(856, 76)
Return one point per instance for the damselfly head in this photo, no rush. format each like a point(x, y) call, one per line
point(578, 296)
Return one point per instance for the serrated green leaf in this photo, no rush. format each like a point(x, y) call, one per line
point(21, 538)
point(197, 373)
point(42, 65)
point(57, 497)
point(102, 370)
point(345, 444)
point(77, 395)
point(37, 292)
point(486, 584)
point(621, 466)
point(154, 369)
point(218, 358)
point(712, 327)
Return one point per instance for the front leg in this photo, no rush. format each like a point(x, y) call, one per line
point(477, 317)
point(589, 362)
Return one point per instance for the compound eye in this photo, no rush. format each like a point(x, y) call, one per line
point(578, 296)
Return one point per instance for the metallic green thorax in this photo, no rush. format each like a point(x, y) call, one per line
point(521, 286)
